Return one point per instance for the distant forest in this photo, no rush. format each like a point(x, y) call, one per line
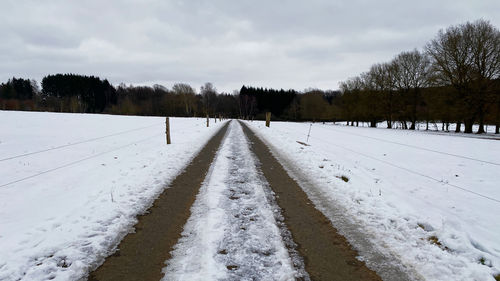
point(455, 79)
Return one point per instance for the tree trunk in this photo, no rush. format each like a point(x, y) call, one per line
point(389, 123)
point(468, 126)
point(481, 128)
point(457, 129)
point(414, 109)
point(481, 121)
point(373, 124)
point(497, 127)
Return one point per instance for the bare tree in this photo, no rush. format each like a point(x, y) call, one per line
point(451, 62)
point(351, 90)
point(496, 91)
point(467, 57)
point(313, 106)
point(381, 78)
point(187, 94)
point(486, 66)
point(412, 71)
point(209, 93)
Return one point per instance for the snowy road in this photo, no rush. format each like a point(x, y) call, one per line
point(239, 216)
point(232, 233)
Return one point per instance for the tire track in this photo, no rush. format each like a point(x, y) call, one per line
point(327, 254)
point(142, 253)
point(233, 226)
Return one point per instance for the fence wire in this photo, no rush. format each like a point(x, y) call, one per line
point(197, 126)
point(403, 168)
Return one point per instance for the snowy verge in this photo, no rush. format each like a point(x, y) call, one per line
point(427, 201)
point(73, 184)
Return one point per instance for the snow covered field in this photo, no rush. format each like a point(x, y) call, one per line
point(72, 184)
point(430, 201)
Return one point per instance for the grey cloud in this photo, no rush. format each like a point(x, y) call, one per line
point(289, 43)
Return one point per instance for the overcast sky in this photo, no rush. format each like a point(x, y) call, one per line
point(282, 44)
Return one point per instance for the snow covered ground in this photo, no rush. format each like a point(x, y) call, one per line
point(72, 184)
point(434, 127)
point(429, 202)
point(232, 233)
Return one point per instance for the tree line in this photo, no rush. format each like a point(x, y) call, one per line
point(454, 79)
point(89, 94)
point(310, 104)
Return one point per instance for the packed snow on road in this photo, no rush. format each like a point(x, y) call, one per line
point(427, 202)
point(71, 185)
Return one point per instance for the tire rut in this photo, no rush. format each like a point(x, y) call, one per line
point(141, 255)
point(327, 254)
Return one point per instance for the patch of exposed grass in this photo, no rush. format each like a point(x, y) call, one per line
point(434, 240)
point(497, 277)
point(344, 178)
point(486, 262)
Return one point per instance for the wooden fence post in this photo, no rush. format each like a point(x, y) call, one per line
point(208, 120)
point(167, 123)
point(268, 119)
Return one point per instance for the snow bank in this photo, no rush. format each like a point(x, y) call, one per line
point(428, 202)
point(80, 184)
